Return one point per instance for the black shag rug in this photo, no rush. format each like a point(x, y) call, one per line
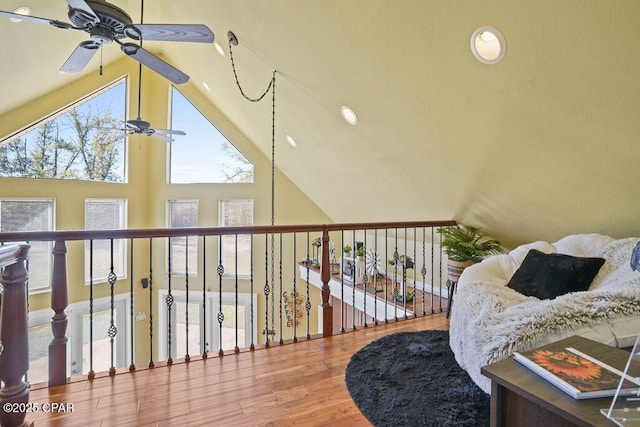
point(412, 379)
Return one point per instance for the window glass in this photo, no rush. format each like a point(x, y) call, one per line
point(204, 155)
point(85, 141)
point(236, 213)
point(183, 213)
point(104, 214)
point(31, 215)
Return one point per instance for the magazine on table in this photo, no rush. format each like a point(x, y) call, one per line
point(577, 374)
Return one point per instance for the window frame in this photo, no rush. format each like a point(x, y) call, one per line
point(120, 275)
point(192, 239)
point(52, 223)
point(221, 222)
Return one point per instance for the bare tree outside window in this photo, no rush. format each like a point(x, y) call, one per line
point(84, 142)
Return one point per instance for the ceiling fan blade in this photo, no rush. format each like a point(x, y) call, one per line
point(82, 6)
point(156, 64)
point(196, 33)
point(170, 131)
point(161, 137)
point(54, 22)
point(80, 57)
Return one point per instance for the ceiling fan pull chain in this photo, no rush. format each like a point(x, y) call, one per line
point(101, 47)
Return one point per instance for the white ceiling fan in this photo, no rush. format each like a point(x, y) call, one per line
point(107, 23)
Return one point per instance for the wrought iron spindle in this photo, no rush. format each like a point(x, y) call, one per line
point(365, 279)
point(132, 365)
point(251, 321)
point(236, 349)
point(386, 276)
point(267, 291)
point(169, 300)
point(432, 272)
point(415, 264)
point(341, 270)
point(394, 293)
point(151, 364)
point(375, 257)
point(220, 313)
point(353, 282)
point(405, 291)
point(281, 286)
point(440, 277)
point(91, 375)
point(307, 305)
point(423, 270)
point(203, 327)
point(187, 358)
point(112, 331)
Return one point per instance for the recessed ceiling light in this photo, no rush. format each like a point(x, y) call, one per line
point(219, 49)
point(292, 141)
point(488, 45)
point(349, 115)
point(21, 11)
point(206, 86)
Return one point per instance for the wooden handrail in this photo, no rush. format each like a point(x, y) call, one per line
point(59, 288)
point(35, 236)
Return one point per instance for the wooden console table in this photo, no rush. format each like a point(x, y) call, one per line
point(521, 398)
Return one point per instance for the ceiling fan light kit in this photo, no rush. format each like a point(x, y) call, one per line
point(106, 23)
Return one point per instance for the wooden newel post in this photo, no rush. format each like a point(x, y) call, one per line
point(14, 359)
point(59, 302)
point(325, 276)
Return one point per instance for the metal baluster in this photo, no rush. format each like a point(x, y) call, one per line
point(281, 293)
point(236, 349)
point(365, 279)
point(307, 304)
point(394, 293)
point(203, 335)
point(432, 273)
point(151, 364)
point(91, 375)
point(424, 268)
point(220, 313)
point(252, 347)
point(415, 286)
point(440, 278)
point(376, 255)
point(386, 275)
point(169, 301)
point(267, 290)
point(342, 258)
point(353, 282)
point(112, 326)
point(132, 366)
point(187, 358)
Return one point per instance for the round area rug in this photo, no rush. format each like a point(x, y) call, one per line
point(412, 379)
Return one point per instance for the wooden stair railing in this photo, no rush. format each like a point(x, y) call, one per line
point(14, 358)
point(14, 361)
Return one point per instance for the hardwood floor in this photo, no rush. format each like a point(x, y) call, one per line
point(293, 384)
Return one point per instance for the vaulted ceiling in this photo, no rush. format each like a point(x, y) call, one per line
point(540, 145)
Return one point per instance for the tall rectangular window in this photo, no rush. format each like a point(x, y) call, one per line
point(104, 214)
point(31, 215)
point(183, 251)
point(236, 213)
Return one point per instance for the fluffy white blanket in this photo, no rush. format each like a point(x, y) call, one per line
point(490, 321)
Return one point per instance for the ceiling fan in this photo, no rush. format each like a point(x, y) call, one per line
point(142, 127)
point(107, 23)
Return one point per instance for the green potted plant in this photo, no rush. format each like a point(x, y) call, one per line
point(360, 253)
point(466, 245)
point(346, 250)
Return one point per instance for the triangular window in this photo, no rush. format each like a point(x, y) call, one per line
point(84, 141)
point(204, 155)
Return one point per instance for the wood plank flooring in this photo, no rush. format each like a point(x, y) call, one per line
point(298, 384)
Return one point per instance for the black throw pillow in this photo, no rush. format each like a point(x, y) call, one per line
point(547, 276)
